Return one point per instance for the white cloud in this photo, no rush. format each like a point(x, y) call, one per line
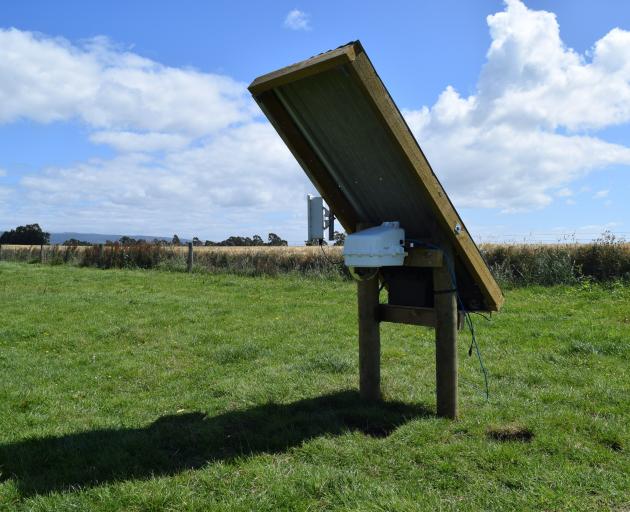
point(135, 142)
point(598, 228)
point(48, 79)
point(297, 20)
point(193, 156)
point(600, 194)
point(520, 136)
point(2, 172)
point(191, 148)
point(245, 174)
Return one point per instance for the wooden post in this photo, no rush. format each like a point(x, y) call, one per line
point(41, 253)
point(190, 257)
point(101, 256)
point(445, 299)
point(369, 340)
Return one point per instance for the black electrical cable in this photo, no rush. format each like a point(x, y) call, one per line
point(468, 318)
point(328, 260)
point(485, 317)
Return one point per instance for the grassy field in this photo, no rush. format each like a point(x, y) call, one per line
point(149, 390)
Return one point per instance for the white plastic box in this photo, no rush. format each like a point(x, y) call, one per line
point(380, 246)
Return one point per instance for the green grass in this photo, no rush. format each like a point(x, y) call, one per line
point(147, 390)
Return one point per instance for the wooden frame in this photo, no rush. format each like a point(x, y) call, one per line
point(353, 57)
point(457, 256)
point(444, 317)
point(426, 317)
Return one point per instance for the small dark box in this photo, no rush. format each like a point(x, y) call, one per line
point(409, 286)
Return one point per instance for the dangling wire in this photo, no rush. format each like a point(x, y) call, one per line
point(467, 317)
point(328, 260)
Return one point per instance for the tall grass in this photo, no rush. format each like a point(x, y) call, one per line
point(250, 261)
point(606, 259)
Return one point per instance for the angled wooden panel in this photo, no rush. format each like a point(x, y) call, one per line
point(343, 127)
point(306, 68)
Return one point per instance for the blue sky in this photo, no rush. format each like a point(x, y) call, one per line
point(132, 117)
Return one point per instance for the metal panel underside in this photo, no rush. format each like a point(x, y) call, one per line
point(367, 164)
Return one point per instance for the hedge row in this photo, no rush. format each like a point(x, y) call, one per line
point(607, 259)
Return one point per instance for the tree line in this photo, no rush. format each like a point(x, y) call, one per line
point(233, 241)
point(32, 234)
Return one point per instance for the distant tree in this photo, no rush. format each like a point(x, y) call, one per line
point(237, 241)
point(74, 242)
point(245, 241)
point(340, 238)
point(196, 241)
point(127, 240)
point(159, 241)
point(276, 240)
point(31, 234)
point(175, 240)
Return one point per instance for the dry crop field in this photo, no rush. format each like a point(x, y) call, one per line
point(605, 260)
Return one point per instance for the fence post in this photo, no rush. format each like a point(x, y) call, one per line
point(101, 263)
point(0, 251)
point(41, 253)
point(190, 257)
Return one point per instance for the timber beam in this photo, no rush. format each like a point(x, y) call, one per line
point(412, 315)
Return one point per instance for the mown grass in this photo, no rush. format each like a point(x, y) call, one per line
point(143, 390)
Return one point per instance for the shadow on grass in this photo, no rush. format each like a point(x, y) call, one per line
point(185, 441)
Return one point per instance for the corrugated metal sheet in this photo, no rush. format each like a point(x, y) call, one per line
point(350, 139)
point(340, 123)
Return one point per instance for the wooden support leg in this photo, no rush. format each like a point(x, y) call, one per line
point(445, 342)
point(369, 340)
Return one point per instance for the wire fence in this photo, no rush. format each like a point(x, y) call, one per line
point(546, 261)
point(531, 237)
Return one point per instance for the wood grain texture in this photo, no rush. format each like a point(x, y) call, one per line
point(341, 124)
point(445, 343)
point(419, 257)
point(412, 315)
point(369, 340)
point(306, 68)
